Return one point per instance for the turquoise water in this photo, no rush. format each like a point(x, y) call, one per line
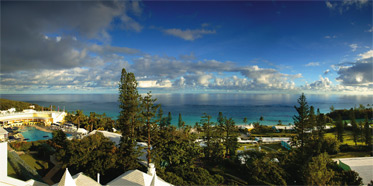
point(272, 107)
point(34, 134)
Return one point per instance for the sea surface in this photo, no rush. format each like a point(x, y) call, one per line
point(273, 107)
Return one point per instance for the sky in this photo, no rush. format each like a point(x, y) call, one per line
point(187, 46)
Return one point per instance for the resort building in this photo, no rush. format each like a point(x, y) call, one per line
point(30, 117)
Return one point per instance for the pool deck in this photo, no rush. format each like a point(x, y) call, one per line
point(42, 129)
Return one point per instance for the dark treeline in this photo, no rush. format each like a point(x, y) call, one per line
point(360, 113)
point(6, 104)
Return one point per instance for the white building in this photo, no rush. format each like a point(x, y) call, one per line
point(30, 115)
point(3, 134)
point(361, 165)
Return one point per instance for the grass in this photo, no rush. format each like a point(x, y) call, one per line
point(41, 166)
point(11, 172)
point(275, 134)
point(248, 146)
point(350, 154)
point(347, 138)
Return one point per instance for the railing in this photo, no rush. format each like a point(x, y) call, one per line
point(23, 113)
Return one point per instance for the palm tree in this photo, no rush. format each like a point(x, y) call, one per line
point(92, 119)
point(78, 117)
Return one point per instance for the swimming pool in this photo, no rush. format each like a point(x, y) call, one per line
point(33, 134)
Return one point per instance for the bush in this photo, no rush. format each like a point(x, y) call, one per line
point(350, 148)
point(21, 146)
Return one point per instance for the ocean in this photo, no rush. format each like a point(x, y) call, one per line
point(273, 107)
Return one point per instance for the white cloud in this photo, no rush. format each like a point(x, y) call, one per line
point(312, 64)
point(188, 34)
point(328, 4)
point(366, 55)
point(370, 30)
point(326, 72)
point(330, 37)
point(345, 5)
point(353, 47)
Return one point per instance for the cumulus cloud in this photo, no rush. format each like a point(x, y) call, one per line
point(188, 34)
point(312, 64)
point(357, 74)
point(322, 84)
point(366, 55)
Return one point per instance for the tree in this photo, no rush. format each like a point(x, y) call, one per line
point(355, 128)
point(169, 119)
point(261, 118)
point(180, 122)
point(79, 116)
point(367, 133)
point(128, 104)
point(149, 110)
point(331, 108)
point(301, 123)
point(339, 126)
point(211, 138)
point(230, 138)
point(245, 120)
point(93, 154)
point(317, 171)
point(92, 120)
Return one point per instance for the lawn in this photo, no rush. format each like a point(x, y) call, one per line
point(350, 154)
point(41, 166)
point(347, 138)
point(11, 172)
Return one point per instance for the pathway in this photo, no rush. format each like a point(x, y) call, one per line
point(48, 177)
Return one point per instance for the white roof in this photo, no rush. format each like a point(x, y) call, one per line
point(67, 180)
point(82, 131)
point(83, 180)
point(3, 131)
point(114, 137)
point(362, 165)
point(137, 178)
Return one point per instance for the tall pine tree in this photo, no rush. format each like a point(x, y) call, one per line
point(301, 122)
point(129, 104)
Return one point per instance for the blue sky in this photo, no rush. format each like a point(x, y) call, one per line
point(190, 46)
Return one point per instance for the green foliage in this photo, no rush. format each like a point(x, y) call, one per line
point(91, 155)
point(301, 122)
point(317, 172)
point(261, 169)
point(340, 128)
point(149, 110)
point(346, 114)
point(128, 154)
point(129, 104)
point(6, 104)
point(367, 134)
point(21, 146)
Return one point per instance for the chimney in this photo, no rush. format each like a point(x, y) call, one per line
point(151, 169)
point(98, 178)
